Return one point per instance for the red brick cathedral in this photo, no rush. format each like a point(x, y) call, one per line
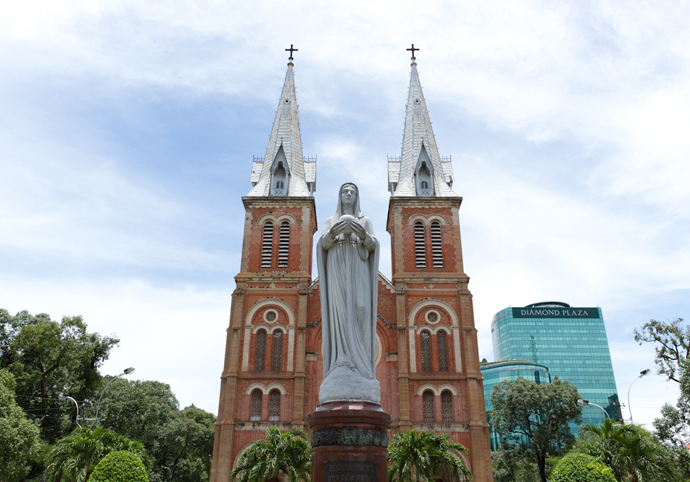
point(427, 360)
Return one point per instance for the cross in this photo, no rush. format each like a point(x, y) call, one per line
point(412, 50)
point(294, 50)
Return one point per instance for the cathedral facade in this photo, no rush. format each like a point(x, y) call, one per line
point(427, 360)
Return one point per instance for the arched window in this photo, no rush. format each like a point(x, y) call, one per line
point(428, 406)
point(257, 398)
point(419, 245)
point(424, 184)
point(426, 351)
point(436, 245)
point(277, 357)
point(280, 185)
point(447, 406)
point(274, 406)
point(260, 350)
point(284, 245)
point(442, 341)
point(267, 246)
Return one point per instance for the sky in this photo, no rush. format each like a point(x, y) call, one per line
point(128, 128)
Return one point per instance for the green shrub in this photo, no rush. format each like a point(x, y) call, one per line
point(119, 466)
point(579, 467)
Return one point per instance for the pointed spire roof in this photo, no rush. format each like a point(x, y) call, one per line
point(418, 137)
point(285, 134)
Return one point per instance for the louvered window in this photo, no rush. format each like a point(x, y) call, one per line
point(267, 246)
point(284, 246)
point(274, 406)
point(257, 398)
point(426, 351)
point(442, 341)
point(447, 406)
point(277, 350)
point(260, 350)
point(419, 245)
point(436, 245)
point(428, 402)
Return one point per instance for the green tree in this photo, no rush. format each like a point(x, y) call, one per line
point(287, 454)
point(19, 438)
point(630, 451)
point(119, 466)
point(48, 357)
point(534, 418)
point(579, 467)
point(74, 457)
point(419, 456)
point(672, 341)
point(179, 443)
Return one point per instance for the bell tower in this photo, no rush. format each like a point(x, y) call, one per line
point(263, 379)
point(439, 379)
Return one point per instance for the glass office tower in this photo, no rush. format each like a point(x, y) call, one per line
point(570, 341)
point(497, 372)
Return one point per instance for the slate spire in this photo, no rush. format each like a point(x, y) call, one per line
point(420, 171)
point(283, 170)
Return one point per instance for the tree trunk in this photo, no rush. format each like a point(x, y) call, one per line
point(541, 463)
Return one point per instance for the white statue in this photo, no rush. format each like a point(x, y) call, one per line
point(348, 261)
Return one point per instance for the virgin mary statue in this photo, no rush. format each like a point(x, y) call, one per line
point(348, 261)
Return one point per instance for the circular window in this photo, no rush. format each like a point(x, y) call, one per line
point(287, 101)
point(432, 316)
point(417, 101)
point(270, 316)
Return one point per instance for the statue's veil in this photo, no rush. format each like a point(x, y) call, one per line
point(339, 208)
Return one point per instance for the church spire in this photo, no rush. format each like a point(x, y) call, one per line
point(420, 171)
point(283, 170)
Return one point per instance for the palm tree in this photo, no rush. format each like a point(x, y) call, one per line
point(73, 458)
point(288, 454)
point(629, 450)
point(417, 456)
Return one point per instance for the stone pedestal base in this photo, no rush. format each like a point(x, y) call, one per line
point(349, 442)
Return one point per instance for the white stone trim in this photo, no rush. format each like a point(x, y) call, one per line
point(437, 390)
point(427, 220)
point(277, 220)
point(266, 389)
point(433, 329)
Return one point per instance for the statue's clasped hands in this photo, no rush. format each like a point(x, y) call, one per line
point(348, 225)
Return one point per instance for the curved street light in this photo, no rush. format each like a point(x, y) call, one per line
point(642, 373)
point(126, 372)
point(63, 397)
point(584, 403)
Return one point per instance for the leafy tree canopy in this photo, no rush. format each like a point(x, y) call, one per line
point(579, 467)
point(180, 443)
point(121, 467)
point(74, 457)
point(630, 451)
point(287, 454)
point(672, 341)
point(19, 438)
point(48, 357)
point(421, 456)
point(534, 418)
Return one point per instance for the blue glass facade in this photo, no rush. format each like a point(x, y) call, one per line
point(570, 341)
point(498, 372)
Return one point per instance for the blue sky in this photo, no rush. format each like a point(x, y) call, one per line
point(127, 131)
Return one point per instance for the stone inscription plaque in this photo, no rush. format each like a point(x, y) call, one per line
point(350, 471)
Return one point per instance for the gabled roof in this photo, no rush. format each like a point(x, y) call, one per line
point(418, 133)
point(286, 133)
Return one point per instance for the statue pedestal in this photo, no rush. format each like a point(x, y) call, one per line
point(349, 442)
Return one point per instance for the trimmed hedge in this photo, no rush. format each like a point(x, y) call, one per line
point(579, 467)
point(121, 466)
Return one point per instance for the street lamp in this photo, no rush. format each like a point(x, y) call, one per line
point(584, 403)
point(642, 373)
point(63, 397)
point(126, 372)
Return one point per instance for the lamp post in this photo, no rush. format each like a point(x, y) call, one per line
point(584, 403)
point(63, 397)
point(126, 372)
point(642, 373)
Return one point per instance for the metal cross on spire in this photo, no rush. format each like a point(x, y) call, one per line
point(291, 49)
point(412, 50)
